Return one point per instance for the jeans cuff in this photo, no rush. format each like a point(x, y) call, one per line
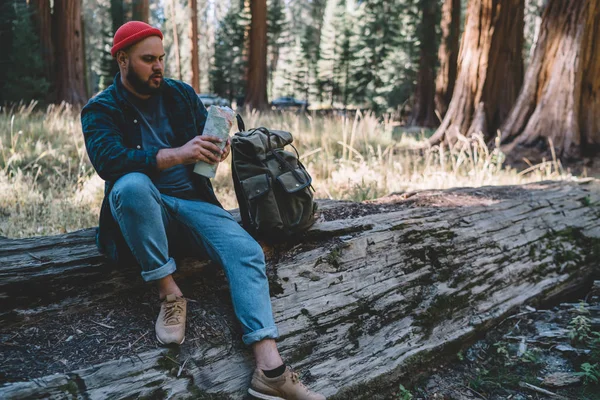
point(257, 336)
point(161, 272)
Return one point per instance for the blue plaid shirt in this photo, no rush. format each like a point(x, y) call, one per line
point(113, 138)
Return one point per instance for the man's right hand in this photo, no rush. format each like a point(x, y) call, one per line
point(200, 148)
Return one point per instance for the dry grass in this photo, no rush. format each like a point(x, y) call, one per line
point(48, 186)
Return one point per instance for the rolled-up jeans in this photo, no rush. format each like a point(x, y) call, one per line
point(150, 220)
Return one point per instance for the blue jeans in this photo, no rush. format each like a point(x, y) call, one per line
point(150, 220)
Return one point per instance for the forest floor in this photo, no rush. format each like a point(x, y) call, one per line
point(546, 353)
point(114, 329)
point(533, 354)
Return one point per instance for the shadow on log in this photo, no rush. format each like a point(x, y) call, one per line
point(372, 290)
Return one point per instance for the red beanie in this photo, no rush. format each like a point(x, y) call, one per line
point(131, 33)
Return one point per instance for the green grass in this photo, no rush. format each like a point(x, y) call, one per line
point(48, 186)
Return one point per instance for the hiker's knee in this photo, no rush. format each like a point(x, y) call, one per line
point(251, 253)
point(134, 189)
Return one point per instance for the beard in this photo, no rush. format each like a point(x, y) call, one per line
point(144, 86)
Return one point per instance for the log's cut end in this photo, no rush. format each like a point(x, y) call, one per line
point(373, 291)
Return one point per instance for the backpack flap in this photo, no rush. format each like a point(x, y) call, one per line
point(294, 181)
point(256, 186)
point(278, 139)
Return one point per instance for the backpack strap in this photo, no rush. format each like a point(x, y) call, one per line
point(269, 134)
point(240, 123)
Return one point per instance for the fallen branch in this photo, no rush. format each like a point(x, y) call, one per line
point(378, 288)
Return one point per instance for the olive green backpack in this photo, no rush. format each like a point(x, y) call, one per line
point(272, 186)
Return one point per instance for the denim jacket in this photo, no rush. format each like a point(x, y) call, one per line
point(113, 138)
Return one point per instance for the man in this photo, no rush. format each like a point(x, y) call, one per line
point(143, 135)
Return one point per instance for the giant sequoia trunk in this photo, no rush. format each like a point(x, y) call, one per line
point(376, 288)
point(560, 101)
point(256, 92)
point(42, 16)
point(117, 14)
point(194, 40)
point(423, 113)
point(70, 76)
point(490, 70)
point(140, 10)
point(447, 55)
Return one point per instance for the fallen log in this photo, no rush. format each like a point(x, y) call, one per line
point(373, 290)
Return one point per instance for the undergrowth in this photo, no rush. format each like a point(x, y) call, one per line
point(48, 186)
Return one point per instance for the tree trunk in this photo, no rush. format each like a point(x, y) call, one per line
point(423, 113)
point(176, 40)
point(381, 288)
point(256, 93)
point(194, 41)
point(560, 101)
point(42, 17)
point(70, 76)
point(117, 14)
point(490, 70)
point(140, 10)
point(447, 55)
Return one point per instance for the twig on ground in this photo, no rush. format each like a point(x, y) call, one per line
point(182, 366)
point(34, 257)
point(103, 325)
point(539, 390)
point(474, 392)
point(138, 339)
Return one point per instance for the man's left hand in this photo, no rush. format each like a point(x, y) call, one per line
point(226, 150)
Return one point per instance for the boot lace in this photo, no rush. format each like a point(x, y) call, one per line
point(296, 379)
point(173, 313)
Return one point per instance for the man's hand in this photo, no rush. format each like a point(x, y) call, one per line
point(200, 148)
point(226, 150)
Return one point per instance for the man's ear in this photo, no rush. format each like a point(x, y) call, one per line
point(122, 57)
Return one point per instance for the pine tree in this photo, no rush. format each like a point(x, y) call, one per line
point(101, 18)
point(311, 45)
point(7, 15)
point(335, 53)
point(277, 37)
point(25, 77)
point(379, 32)
point(296, 74)
point(228, 72)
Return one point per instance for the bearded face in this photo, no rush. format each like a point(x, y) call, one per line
point(142, 66)
point(146, 86)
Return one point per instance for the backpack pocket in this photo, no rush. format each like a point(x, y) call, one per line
point(256, 186)
point(261, 203)
point(293, 193)
point(294, 181)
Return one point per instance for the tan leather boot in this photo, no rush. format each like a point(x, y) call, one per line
point(170, 325)
point(284, 387)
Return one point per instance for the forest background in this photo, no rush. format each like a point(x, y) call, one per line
point(404, 94)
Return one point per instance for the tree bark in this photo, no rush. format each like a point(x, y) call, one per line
point(490, 70)
point(194, 40)
point(447, 55)
point(423, 113)
point(42, 17)
point(176, 40)
point(559, 102)
point(140, 10)
point(70, 76)
point(117, 14)
point(256, 92)
point(380, 287)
